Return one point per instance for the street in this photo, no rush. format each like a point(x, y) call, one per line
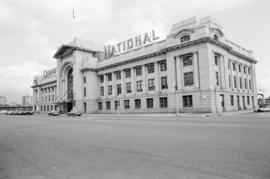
point(130, 146)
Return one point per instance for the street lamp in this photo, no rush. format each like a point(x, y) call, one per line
point(176, 101)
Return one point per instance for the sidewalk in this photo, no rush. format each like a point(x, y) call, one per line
point(170, 114)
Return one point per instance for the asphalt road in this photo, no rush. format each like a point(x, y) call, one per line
point(39, 147)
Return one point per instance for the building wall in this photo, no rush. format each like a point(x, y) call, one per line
point(211, 53)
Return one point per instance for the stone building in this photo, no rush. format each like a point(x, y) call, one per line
point(194, 69)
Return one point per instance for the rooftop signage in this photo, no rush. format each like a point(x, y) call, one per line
point(49, 73)
point(130, 44)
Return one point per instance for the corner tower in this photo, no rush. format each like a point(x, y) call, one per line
point(77, 83)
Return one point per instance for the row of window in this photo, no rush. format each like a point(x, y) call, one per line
point(163, 103)
point(138, 71)
point(47, 90)
point(240, 67)
point(241, 82)
point(139, 86)
point(48, 108)
point(49, 98)
point(238, 100)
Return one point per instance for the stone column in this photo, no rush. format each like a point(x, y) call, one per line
point(195, 67)
point(222, 72)
point(157, 76)
point(133, 81)
point(144, 79)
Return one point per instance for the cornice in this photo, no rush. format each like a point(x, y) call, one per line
point(226, 47)
point(38, 85)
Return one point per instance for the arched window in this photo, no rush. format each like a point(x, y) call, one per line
point(215, 37)
point(185, 38)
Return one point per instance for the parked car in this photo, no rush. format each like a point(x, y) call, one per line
point(264, 108)
point(29, 112)
point(74, 113)
point(53, 113)
point(8, 112)
point(3, 112)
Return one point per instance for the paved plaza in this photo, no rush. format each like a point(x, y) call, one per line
point(128, 146)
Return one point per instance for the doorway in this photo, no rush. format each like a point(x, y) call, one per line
point(84, 107)
point(69, 106)
point(238, 103)
point(222, 103)
point(244, 102)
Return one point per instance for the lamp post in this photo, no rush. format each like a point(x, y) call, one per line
point(176, 101)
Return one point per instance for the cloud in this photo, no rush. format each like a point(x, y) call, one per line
point(18, 79)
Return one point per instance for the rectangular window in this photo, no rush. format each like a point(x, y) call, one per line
point(108, 105)
point(188, 79)
point(249, 71)
point(187, 60)
point(232, 100)
point(187, 101)
point(119, 90)
point(110, 90)
point(139, 85)
point(164, 83)
point(150, 68)
point(84, 91)
point(163, 102)
point(116, 105)
point(244, 68)
point(138, 71)
point(239, 66)
point(248, 102)
point(128, 87)
point(149, 103)
point(234, 67)
point(126, 104)
point(99, 105)
point(217, 79)
point(250, 84)
point(229, 64)
point(235, 82)
point(101, 79)
point(216, 59)
point(109, 77)
point(102, 91)
point(245, 83)
point(128, 73)
point(230, 82)
point(84, 79)
point(163, 66)
point(240, 82)
point(137, 103)
point(118, 75)
point(151, 84)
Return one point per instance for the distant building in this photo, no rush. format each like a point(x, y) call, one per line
point(194, 69)
point(3, 100)
point(27, 100)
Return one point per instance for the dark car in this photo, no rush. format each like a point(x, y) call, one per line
point(53, 113)
point(74, 113)
point(28, 113)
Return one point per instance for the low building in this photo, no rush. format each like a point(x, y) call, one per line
point(194, 69)
point(3, 100)
point(27, 100)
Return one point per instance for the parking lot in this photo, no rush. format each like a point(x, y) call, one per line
point(129, 146)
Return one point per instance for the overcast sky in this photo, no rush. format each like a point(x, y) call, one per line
point(31, 30)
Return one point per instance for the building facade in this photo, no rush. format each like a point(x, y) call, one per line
point(194, 69)
point(44, 92)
